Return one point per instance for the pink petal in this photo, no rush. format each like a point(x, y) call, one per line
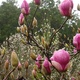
point(57, 65)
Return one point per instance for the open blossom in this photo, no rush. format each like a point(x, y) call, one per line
point(60, 60)
point(37, 2)
point(38, 62)
point(76, 41)
point(25, 9)
point(46, 67)
point(21, 19)
point(66, 7)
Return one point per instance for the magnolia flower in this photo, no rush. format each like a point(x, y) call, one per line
point(60, 60)
point(37, 2)
point(38, 62)
point(25, 9)
point(76, 41)
point(66, 7)
point(46, 67)
point(21, 19)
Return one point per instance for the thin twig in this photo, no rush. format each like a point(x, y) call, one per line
point(57, 31)
point(43, 75)
point(34, 15)
point(36, 43)
point(5, 78)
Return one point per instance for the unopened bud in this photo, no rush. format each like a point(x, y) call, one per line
point(19, 66)
point(78, 7)
point(23, 41)
point(64, 36)
point(6, 65)
point(34, 73)
point(26, 64)
point(12, 76)
point(14, 59)
point(22, 29)
point(46, 67)
point(73, 78)
point(18, 29)
point(45, 44)
point(25, 27)
point(34, 24)
point(35, 67)
point(26, 33)
point(21, 19)
point(3, 51)
point(66, 45)
point(42, 40)
point(33, 56)
point(37, 2)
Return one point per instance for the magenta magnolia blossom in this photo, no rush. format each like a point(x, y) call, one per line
point(25, 9)
point(21, 19)
point(37, 2)
point(46, 66)
point(76, 41)
point(66, 7)
point(38, 62)
point(60, 60)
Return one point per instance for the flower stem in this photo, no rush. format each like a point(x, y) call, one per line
point(52, 35)
point(5, 78)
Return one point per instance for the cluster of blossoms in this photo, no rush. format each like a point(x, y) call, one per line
point(25, 10)
point(60, 58)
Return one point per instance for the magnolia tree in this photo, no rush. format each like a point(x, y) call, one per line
point(48, 60)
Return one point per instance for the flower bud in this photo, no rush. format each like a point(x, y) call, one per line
point(18, 29)
point(12, 76)
point(34, 73)
point(26, 64)
point(66, 45)
point(73, 78)
point(3, 51)
point(66, 7)
point(22, 29)
point(23, 41)
point(44, 43)
point(6, 64)
point(33, 56)
point(25, 9)
point(21, 19)
point(34, 24)
point(75, 51)
point(19, 66)
point(76, 41)
point(78, 7)
point(38, 62)
point(14, 59)
point(26, 33)
point(25, 27)
point(46, 67)
point(64, 36)
point(37, 2)
point(42, 39)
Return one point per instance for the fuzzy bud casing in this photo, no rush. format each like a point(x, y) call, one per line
point(14, 59)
